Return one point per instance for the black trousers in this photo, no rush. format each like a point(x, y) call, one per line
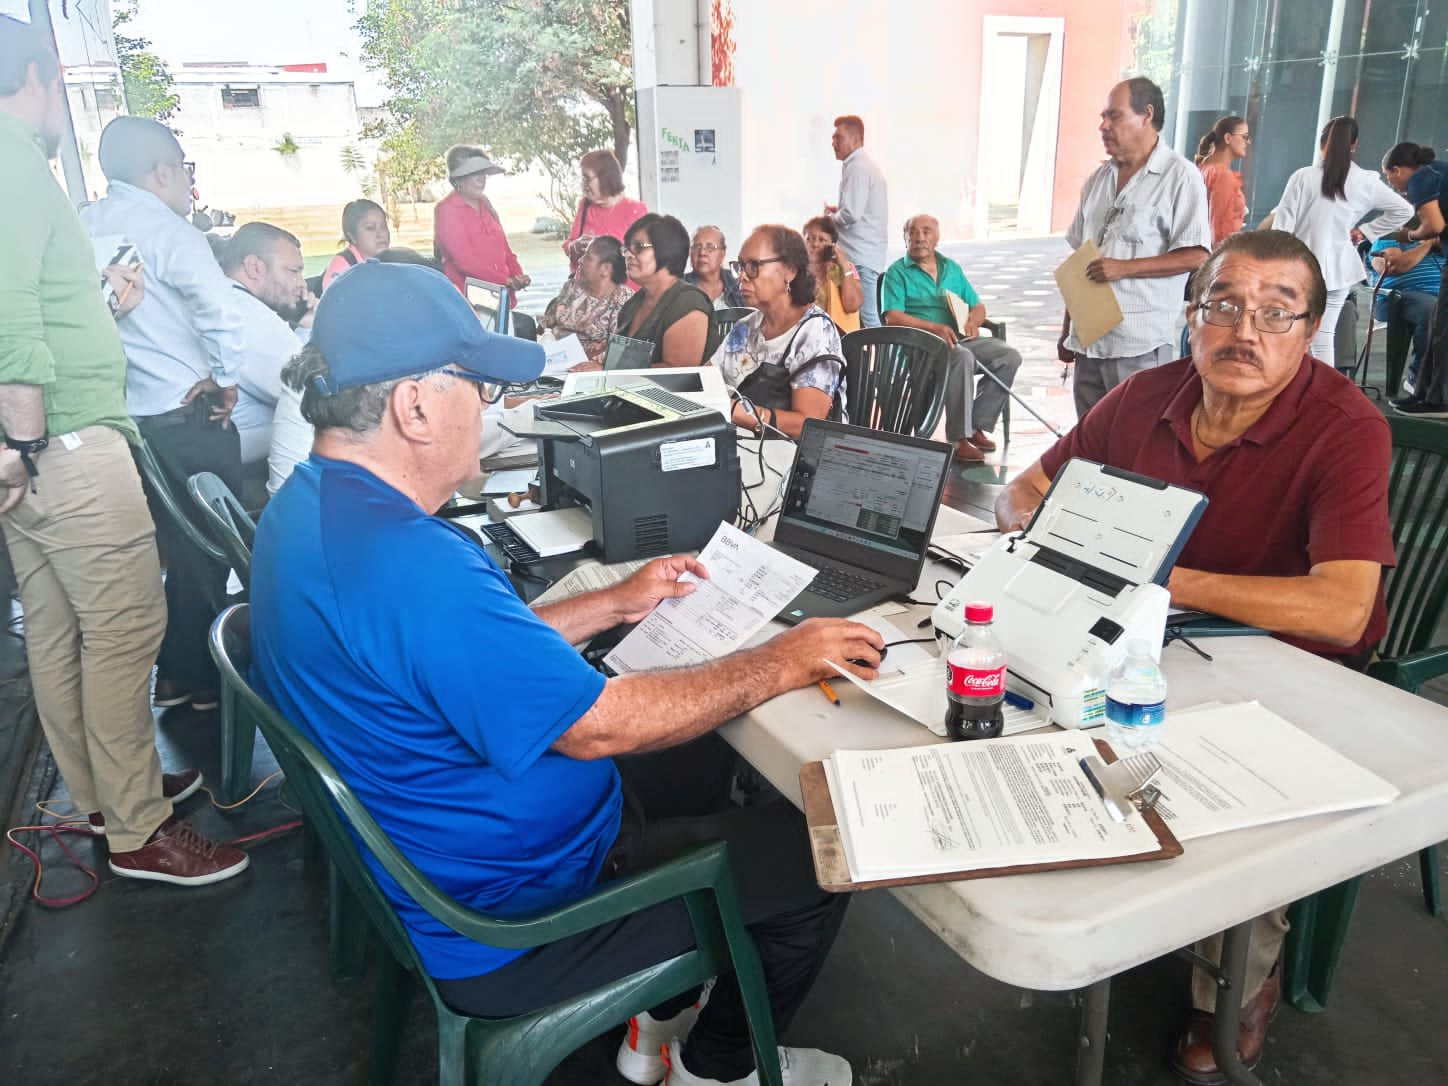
point(679, 798)
point(186, 441)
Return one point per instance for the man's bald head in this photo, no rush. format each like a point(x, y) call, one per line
point(145, 153)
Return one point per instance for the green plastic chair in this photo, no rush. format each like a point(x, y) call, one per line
point(232, 531)
point(895, 379)
point(523, 1049)
point(1417, 598)
point(161, 489)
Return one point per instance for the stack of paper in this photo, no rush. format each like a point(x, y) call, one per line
point(1225, 767)
point(961, 807)
point(554, 531)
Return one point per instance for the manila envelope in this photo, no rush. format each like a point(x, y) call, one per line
point(1092, 305)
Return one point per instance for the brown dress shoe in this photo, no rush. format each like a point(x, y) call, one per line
point(965, 450)
point(174, 786)
point(177, 854)
point(1194, 1060)
point(981, 440)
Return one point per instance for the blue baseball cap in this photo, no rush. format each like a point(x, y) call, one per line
point(380, 322)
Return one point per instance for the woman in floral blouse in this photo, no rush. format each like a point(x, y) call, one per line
point(588, 304)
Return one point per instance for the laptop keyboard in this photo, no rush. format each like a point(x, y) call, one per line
point(842, 585)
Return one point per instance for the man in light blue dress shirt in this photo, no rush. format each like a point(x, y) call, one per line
point(862, 213)
point(184, 346)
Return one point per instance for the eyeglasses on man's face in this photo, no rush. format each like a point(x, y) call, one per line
point(1225, 314)
point(749, 269)
point(638, 248)
point(705, 247)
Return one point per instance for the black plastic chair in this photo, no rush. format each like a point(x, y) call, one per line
point(523, 1049)
point(895, 379)
point(725, 319)
point(1417, 597)
point(524, 326)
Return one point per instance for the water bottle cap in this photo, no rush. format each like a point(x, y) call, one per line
point(979, 612)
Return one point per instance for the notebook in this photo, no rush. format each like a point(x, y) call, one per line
point(859, 506)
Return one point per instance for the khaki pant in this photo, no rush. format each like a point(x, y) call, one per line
point(84, 551)
point(1268, 931)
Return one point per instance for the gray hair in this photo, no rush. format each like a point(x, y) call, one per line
point(131, 147)
point(359, 410)
point(1268, 245)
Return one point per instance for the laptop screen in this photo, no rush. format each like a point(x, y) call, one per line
point(490, 303)
point(856, 494)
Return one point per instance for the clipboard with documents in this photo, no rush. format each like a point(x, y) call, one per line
point(931, 829)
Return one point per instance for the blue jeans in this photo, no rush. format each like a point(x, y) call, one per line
point(1417, 309)
point(869, 286)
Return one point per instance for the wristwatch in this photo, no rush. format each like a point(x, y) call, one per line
point(27, 449)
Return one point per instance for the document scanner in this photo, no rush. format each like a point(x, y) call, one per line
point(656, 472)
point(1086, 576)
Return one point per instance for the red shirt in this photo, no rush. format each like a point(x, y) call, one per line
point(1308, 483)
point(472, 243)
point(600, 221)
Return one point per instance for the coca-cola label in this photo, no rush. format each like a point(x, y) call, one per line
point(971, 682)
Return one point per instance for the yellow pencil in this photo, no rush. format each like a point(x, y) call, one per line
point(829, 691)
point(126, 293)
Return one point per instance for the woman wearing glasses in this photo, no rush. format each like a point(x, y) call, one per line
point(1323, 205)
point(784, 360)
point(667, 312)
point(1226, 143)
point(604, 210)
point(707, 270)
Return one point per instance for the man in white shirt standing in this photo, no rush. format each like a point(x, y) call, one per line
point(184, 347)
point(862, 211)
point(265, 264)
point(1145, 207)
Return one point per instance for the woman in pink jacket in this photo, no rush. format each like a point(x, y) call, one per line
point(466, 232)
point(604, 209)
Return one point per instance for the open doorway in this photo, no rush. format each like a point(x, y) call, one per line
point(1020, 100)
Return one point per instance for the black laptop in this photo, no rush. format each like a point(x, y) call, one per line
point(859, 507)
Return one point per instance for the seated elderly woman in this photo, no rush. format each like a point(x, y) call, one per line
point(588, 304)
point(837, 281)
point(667, 312)
point(707, 270)
point(365, 229)
point(784, 360)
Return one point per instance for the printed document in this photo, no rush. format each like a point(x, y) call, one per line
point(1232, 766)
point(748, 584)
point(588, 577)
point(971, 806)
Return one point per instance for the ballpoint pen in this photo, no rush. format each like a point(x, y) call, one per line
point(829, 691)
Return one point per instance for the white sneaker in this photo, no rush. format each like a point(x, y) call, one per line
point(801, 1067)
point(640, 1054)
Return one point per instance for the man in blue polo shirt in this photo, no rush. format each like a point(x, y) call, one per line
point(1414, 269)
point(914, 295)
point(481, 742)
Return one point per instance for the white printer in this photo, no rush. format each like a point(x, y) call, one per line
point(1084, 578)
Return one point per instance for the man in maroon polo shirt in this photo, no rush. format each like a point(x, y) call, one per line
point(1294, 460)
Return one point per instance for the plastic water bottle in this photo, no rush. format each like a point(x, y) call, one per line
point(1135, 700)
point(975, 678)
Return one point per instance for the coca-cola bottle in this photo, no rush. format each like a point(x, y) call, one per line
point(975, 678)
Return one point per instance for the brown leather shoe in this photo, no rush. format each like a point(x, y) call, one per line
point(1194, 1060)
point(177, 854)
point(981, 440)
point(965, 450)
point(174, 786)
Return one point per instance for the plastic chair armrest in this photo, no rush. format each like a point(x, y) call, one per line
point(1412, 671)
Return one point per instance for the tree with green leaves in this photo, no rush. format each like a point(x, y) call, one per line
point(144, 77)
point(538, 82)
